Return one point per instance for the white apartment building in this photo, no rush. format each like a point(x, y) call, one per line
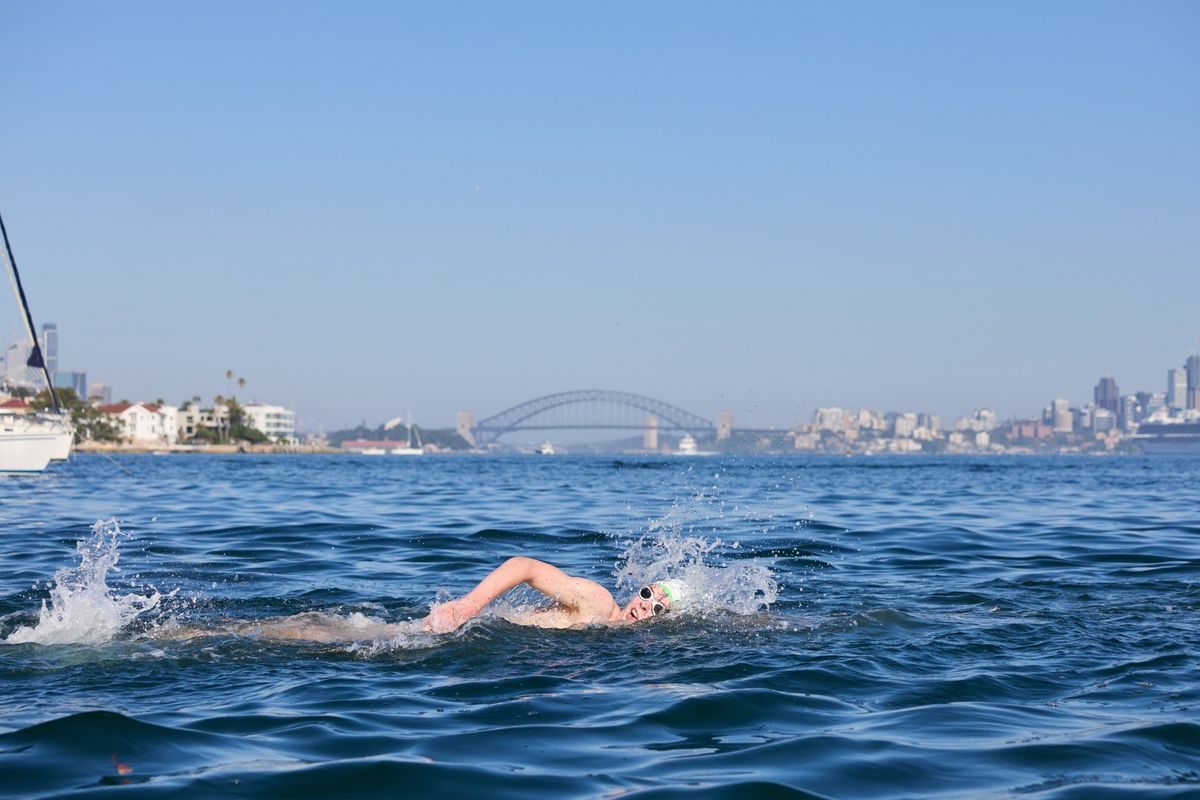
point(170, 423)
point(277, 422)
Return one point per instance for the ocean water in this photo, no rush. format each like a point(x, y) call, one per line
point(862, 627)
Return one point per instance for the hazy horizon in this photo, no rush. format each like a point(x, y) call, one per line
point(376, 209)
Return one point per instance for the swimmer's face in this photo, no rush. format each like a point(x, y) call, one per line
point(648, 602)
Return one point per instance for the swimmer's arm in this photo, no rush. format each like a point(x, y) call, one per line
point(546, 578)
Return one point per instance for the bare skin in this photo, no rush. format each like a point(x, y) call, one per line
point(577, 601)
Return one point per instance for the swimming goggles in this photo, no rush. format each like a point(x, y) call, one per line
point(658, 608)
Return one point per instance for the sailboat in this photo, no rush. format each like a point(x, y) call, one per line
point(409, 450)
point(29, 443)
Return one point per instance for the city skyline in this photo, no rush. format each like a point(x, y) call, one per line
point(1181, 392)
point(373, 209)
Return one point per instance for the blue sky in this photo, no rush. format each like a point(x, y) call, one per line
point(765, 207)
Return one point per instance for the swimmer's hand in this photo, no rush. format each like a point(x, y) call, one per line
point(449, 616)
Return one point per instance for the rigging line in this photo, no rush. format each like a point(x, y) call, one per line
point(117, 464)
point(15, 278)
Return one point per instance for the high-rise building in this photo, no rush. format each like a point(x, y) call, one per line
point(1192, 367)
point(102, 391)
point(76, 381)
point(1106, 396)
point(1063, 419)
point(1130, 414)
point(50, 346)
point(1176, 389)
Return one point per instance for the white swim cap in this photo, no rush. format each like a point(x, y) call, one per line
point(675, 590)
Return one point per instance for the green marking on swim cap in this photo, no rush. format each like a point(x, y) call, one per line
point(666, 590)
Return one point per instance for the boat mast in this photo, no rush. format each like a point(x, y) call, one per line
point(35, 357)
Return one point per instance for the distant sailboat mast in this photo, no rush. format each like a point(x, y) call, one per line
point(35, 357)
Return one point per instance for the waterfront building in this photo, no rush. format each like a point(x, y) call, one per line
point(137, 422)
point(1106, 396)
point(828, 419)
point(15, 405)
point(215, 419)
point(983, 419)
point(277, 422)
point(183, 420)
point(903, 425)
point(1103, 421)
point(169, 422)
point(1029, 429)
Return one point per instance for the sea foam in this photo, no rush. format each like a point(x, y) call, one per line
point(82, 608)
point(715, 582)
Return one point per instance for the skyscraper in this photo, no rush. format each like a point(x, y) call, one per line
point(50, 346)
point(1176, 389)
point(1063, 420)
point(1106, 396)
point(1192, 367)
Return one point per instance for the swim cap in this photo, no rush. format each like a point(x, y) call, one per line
point(675, 590)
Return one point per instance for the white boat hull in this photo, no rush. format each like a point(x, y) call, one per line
point(26, 451)
point(62, 446)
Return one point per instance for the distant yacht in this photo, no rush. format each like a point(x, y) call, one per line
point(373, 451)
point(409, 450)
point(687, 447)
point(545, 449)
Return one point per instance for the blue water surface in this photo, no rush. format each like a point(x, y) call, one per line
point(874, 627)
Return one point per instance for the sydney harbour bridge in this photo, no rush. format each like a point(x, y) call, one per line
point(594, 409)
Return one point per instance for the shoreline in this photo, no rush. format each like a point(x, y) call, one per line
point(109, 448)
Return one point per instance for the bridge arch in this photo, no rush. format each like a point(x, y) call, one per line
point(523, 417)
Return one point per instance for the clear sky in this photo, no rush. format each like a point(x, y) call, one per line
point(368, 207)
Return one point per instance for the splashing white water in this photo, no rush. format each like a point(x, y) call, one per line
point(82, 608)
point(712, 583)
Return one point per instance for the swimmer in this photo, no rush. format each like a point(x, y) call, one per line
point(577, 601)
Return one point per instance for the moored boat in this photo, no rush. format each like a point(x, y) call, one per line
point(28, 444)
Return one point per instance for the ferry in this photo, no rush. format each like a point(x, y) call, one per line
point(1169, 438)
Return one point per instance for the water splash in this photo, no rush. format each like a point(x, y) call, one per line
point(83, 609)
point(669, 549)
